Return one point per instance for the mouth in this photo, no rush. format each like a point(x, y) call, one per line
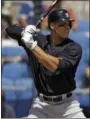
point(67, 32)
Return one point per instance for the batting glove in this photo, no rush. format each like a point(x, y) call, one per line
point(27, 36)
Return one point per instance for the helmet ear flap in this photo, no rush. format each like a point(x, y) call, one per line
point(49, 24)
point(70, 24)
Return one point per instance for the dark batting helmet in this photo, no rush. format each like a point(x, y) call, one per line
point(61, 15)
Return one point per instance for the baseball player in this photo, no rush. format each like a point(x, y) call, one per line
point(54, 59)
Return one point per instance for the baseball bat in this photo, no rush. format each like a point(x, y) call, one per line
point(14, 31)
point(47, 12)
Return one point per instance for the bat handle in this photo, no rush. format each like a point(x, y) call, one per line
point(39, 22)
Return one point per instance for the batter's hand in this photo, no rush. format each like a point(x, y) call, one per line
point(27, 36)
point(32, 29)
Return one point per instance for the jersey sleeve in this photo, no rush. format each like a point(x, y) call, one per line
point(41, 40)
point(69, 58)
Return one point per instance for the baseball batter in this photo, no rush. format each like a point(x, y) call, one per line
point(54, 60)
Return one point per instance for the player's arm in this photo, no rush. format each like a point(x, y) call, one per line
point(66, 60)
point(48, 61)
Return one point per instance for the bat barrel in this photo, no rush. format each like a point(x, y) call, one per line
point(47, 12)
point(39, 22)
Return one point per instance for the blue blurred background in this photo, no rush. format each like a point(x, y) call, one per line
point(18, 89)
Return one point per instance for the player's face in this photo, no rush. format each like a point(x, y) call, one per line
point(62, 29)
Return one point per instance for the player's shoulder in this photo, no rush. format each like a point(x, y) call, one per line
point(74, 45)
point(41, 36)
point(42, 39)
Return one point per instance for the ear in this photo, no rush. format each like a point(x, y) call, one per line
point(52, 26)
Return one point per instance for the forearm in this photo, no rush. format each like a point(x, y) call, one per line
point(87, 73)
point(4, 60)
point(48, 61)
point(9, 59)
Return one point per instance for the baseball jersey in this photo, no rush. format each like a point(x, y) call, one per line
point(62, 80)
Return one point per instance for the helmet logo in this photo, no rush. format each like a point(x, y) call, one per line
point(63, 19)
point(67, 15)
point(61, 11)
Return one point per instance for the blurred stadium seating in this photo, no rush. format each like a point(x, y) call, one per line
point(19, 94)
point(82, 93)
point(16, 69)
point(80, 37)
point(17, 82)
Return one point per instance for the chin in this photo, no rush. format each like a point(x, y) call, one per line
point(64, 37)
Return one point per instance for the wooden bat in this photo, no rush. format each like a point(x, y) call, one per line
point(14, 31)
point(47, 12)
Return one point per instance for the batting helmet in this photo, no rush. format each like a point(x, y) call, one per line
point(59, 15)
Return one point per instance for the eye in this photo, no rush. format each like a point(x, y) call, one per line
point(61, 25)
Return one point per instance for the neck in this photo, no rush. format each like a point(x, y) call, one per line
point(56, 39)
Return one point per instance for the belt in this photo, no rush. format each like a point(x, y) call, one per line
point(55, 98)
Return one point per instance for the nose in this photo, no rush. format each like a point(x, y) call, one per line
point(68, 27)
